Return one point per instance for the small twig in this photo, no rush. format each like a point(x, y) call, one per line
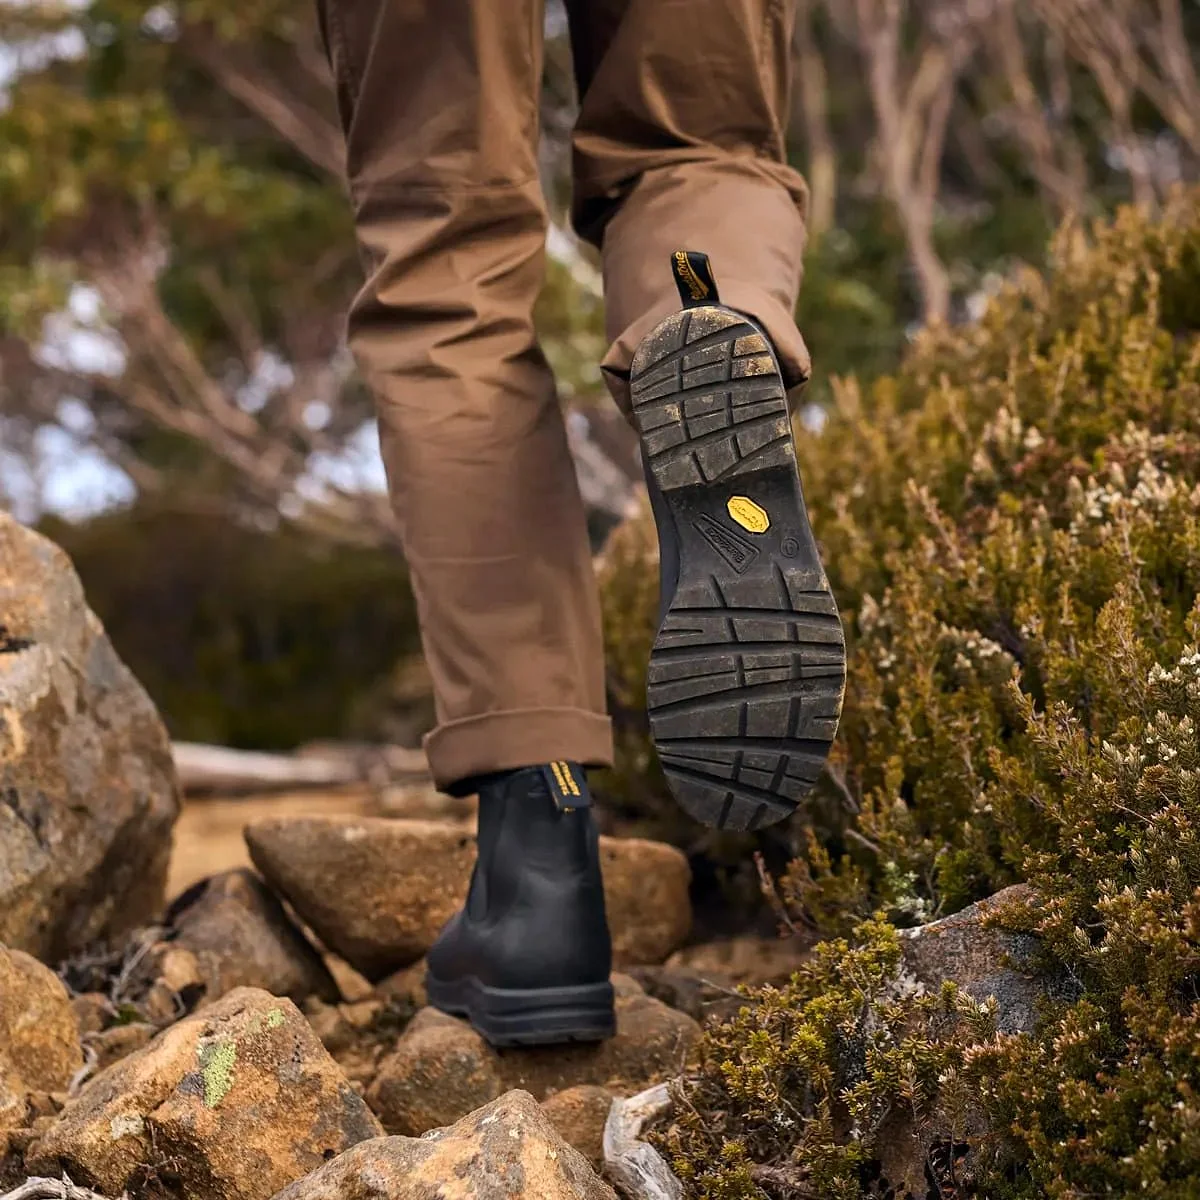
point(725, 991)
point(90, 1059)
point(772, 893)
point(40, 1188)
point(837, 777)
point(859, 839)
point(149, 939)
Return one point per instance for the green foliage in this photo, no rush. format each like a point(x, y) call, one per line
point(1012, 523)
point(816, 1067)
point(247, 638)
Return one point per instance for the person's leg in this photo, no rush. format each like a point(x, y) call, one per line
point(439, 102)
point(680, 147)
point(680, 143)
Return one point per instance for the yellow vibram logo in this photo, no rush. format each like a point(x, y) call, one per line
point(696, 285)
point(566, 781)
point(749, 515)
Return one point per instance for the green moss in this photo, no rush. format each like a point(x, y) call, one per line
point(216, 1069)
point(274, 1018)
point(1012, 524)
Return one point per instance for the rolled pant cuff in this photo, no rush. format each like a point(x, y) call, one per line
point(504, 741)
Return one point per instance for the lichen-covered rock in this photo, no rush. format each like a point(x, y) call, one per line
point(378, 891)
point(504, 1150)
point(39, 1034)
point(242, 937)
point(441, 1068)
point(984, 962)
point(987, 963)
point(240, 1099)
point(88, 787)
point(579, 1114)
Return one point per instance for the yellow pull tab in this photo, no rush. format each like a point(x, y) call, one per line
point(694, 278)
point(567, 784)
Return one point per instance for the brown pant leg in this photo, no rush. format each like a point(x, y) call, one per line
point(680, 145)
point(438, 99)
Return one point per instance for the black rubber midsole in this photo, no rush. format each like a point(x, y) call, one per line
point(581, 1012)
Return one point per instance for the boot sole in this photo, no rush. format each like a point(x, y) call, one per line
point(531, 1016)
point(748, 670)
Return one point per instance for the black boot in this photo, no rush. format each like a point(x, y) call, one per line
point(527, 961)
point(747, 672)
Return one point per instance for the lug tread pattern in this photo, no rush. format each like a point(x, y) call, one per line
point(709, 400)
point(747, 674)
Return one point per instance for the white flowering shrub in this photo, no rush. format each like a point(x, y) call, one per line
point(1012, 525)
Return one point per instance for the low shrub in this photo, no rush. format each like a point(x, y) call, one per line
point(1012, 524)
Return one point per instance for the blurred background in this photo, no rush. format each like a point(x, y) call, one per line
point(177, 405)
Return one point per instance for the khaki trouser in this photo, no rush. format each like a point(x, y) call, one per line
point(679, 144)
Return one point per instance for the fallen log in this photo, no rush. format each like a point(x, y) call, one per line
point(205, 769)
point(39, 1188)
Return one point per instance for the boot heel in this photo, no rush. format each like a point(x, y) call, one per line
point(528, 1016)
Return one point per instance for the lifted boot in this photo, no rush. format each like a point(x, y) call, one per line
point(748, 669)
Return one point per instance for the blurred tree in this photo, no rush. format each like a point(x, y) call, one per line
point(170, 183)
point(177, 256)
point(251, 639)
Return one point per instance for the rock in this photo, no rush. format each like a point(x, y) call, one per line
point(579, 1114)
point(646, 888)
point(89, 787)
point(352, 985)
point(378, 891)
point(624, 986)
point(504, 1150)
point(93, 1011)
point(745, 959)
point(699, 995)
point(119, 1042)
point(361, 1034)
point(984, 963)
point(39, 1034)
point(242, 937)
point(173, 984)
point(441, 1068)
point(240, 1099)
point(407, 984)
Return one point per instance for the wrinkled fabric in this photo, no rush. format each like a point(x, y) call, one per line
point(680, 142)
